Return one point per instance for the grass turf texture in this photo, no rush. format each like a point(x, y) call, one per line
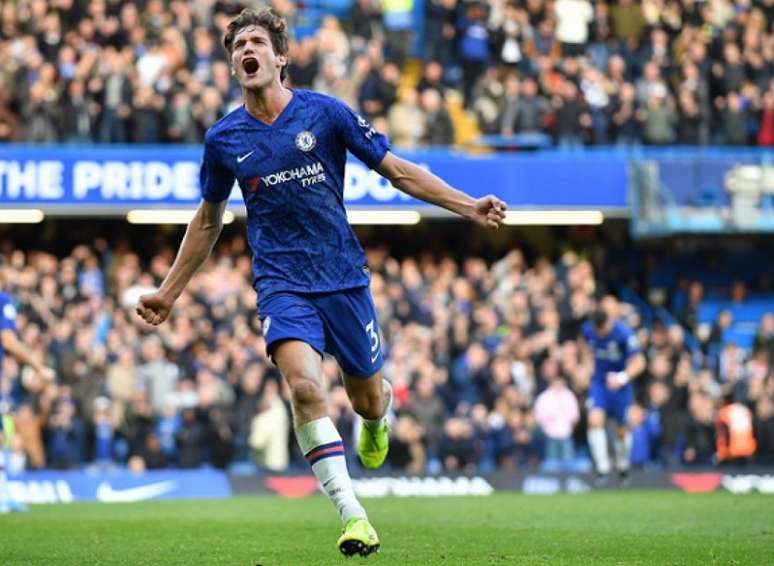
point(601, 528)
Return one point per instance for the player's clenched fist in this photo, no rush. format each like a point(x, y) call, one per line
point(154, 308)
point(490, 211)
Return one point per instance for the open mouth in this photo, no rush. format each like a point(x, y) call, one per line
point(250, 65)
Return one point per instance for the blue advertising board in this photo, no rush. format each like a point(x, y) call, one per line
point(117, 486)
point(114, 178)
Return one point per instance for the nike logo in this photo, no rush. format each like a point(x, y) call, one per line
point(241, 158)
point(107, 494)
point(373, 358)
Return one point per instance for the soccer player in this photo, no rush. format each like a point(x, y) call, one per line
point(613, 354)
point(10, 343)
point(287, 149)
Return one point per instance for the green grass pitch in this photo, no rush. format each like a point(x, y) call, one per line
point(599, 528)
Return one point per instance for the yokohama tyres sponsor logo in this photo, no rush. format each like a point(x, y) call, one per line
point(747, 483)
point(302, 486)
point(421, 487)
point(307, 174)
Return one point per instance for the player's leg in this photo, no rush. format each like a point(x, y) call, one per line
point(622, 447)
point(352, 335)
point(371, 398)
point(316, 434)
point(295, 339)
point(622, 443)
point(321, 444)
point(596, 435)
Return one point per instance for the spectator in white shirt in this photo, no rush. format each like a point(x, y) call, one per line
point(556, 412)
point(572, 25)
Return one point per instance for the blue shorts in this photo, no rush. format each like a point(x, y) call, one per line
point(341, 323)
point(614, 403)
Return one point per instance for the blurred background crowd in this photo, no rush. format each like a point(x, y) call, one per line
point(482, 351)
point(483, 357)
point(432, 72)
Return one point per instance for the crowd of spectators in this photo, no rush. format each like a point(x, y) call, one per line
point(483, 358)
point(618, 72)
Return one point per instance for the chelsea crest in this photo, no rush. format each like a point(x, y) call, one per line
point(305, 141)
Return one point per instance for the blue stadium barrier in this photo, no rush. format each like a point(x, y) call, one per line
point(117, 485)
point(110, 179)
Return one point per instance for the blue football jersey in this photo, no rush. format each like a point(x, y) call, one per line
point(291, 174)
point(610, 352)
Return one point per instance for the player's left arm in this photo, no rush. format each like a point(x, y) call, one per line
point(372, 148)
point(488, 211)
point(635, 359)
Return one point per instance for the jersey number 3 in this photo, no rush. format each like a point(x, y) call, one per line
point(373, 337)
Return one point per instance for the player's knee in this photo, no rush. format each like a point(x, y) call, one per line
point(368, 405)
point(305, 391)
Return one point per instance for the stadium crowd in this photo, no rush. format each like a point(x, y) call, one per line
point(618, 72)
point(484, 362)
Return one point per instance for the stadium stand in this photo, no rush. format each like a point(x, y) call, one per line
point(471, 344)
point(586, 73)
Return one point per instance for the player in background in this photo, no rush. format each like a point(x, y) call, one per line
point(613, 357)
point(11, 344)
point(287, 149)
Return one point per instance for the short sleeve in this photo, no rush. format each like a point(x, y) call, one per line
point(7, 316)
point(360, 138)
point(215, 180)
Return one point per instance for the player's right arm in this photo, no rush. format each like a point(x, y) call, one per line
point(200, 236)
point(199, 239)
point(11, 343)
point(18, 350)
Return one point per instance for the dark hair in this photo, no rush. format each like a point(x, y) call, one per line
point(268, 20)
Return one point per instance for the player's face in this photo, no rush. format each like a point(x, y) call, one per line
point(253, 60)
